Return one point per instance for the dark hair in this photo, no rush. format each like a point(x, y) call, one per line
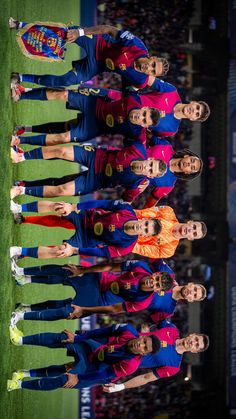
point(155, 116)
point(165, 64)
point(204, 293)
point(156, 344)
point(166, 281)
point(206, 342)
point(157, 226)
point(205, 113)
point(204, 229)
point(184, 176)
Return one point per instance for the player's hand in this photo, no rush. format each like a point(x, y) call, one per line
point(69, 366)
point(72, 35)
point(112, 388)
point(77, 313)
point(74, 269)
point(65, 250)
point(71, 381)
point(62, 208)
point(145, 328)
point(70, 336)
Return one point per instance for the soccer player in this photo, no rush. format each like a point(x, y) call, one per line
point(167, 361)
point(107, 49)
point(100, 355)
point(111, 167)
point(127, 114)
point(116, 226)
point(141, 286)
point(103, 228)
point(129, 167)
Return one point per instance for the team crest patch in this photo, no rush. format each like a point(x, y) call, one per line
point(127, 286)
point(163, 343)
point(161, 293)
point(98, 229)
point(111, 349)
point(112, 228)
point(110, 120)
point(108, 170)
point(162, 114)
point(101, 356)
point(110, 64)
point(122, 67)
point(120, 119)
point(115, 287)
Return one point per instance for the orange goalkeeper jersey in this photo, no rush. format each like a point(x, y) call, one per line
point(164, 244)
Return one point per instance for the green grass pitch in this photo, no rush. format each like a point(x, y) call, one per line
point(24, 404)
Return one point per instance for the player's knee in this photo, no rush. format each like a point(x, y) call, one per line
point(64, 95)
point(58, 152)
point(61, 190)
point(66, 136)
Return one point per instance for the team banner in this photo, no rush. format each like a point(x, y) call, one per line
point(43, 41)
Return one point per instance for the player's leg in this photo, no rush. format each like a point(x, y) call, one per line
point(48, 128)
point(45, 311)
point(44, 252)
point(21, 93)
point(16, 24)
point(51, 181)
point(44, 384)
point(45, 153)
point(47, 80)
point(56, 271)
point(50, 340)
point(42, 139)
point(50, 371)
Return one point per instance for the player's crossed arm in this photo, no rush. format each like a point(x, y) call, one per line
point(138, 381)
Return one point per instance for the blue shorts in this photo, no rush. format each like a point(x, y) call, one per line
point(79, 239)
point(87, 126)
point(87, 67)
point(87, 290)
point(86, 182)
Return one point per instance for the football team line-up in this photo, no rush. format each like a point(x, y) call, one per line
point(145, 112)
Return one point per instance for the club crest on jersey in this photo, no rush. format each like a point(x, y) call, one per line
point(161, 293)
point(122, 67)
point(120, 119)
point(110, 120)
point(108, 170)
point(127, 286)
point(162, 114)
point(115, 287)
point(110, 64)
point(111, 349)
point(112, 228)
point(101, 355)
point(120, 168)
point(163, 343)
point(98, 229)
